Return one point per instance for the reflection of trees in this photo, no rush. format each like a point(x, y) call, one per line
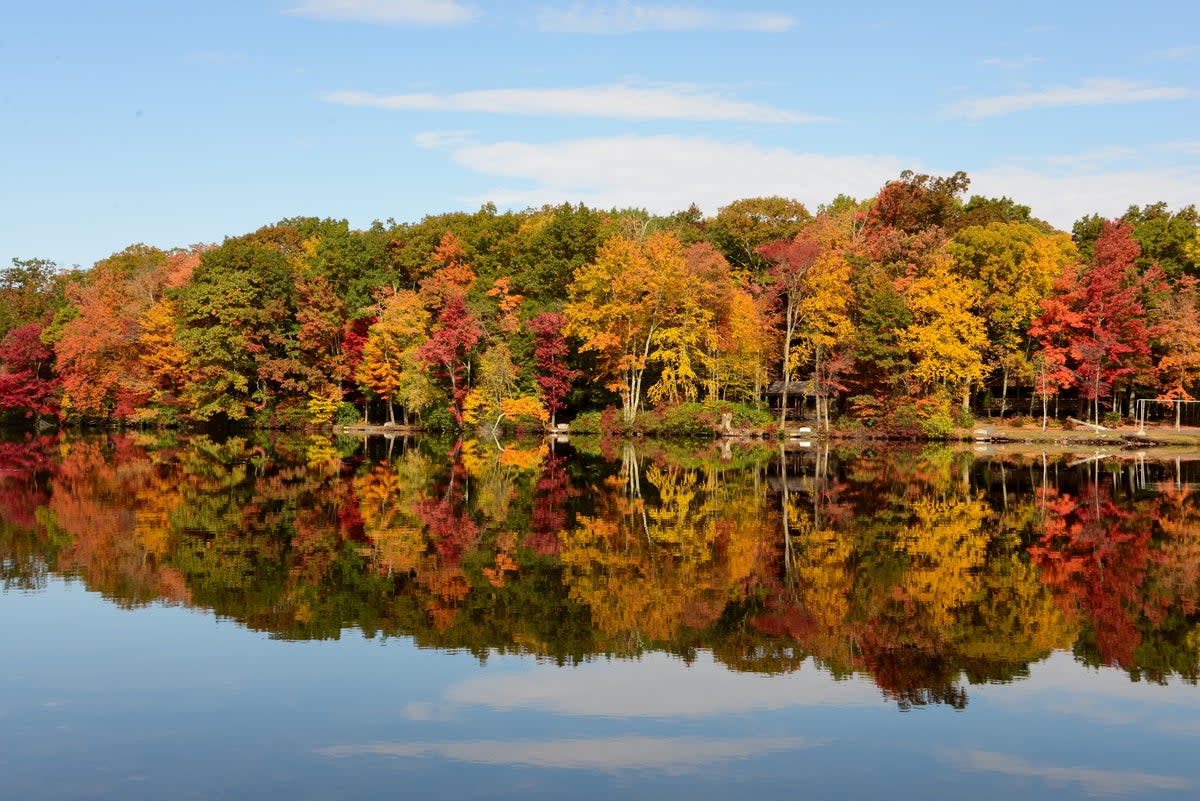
point(106, 503)
point(1095, 553)
point(24, 468)
point(665, 550)
point(919, 568)
point(896, 567)
point(1129, 569)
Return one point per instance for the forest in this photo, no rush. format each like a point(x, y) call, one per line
point(910, 312)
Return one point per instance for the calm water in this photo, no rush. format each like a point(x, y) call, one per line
point(306, 619)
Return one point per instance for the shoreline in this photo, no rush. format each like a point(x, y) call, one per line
point(993, 438)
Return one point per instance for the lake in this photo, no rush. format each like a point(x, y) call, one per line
point(305, 618)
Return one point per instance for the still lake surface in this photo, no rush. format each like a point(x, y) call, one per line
point(300, 618)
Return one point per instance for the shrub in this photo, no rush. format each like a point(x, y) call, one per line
point(439, 419)
point(963, 418)
point(744, 416)
point(346, 414)
point(691, 420)
point(610, 422)
point(586, 423)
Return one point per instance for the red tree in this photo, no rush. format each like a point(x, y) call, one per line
point(26, 379)
point(448, 349)
point(549, 357)
point(1096, 325)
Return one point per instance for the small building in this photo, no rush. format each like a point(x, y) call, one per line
point(797, 399)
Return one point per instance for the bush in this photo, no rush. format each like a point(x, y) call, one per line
point(610, 422)
point(963, 418)
point(1113, 419)
point(586, 423)
point(939, 425)
point(690, 420)
point(439, 419)
point(346, 414)
point(743, 416)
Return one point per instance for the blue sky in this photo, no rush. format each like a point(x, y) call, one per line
point(173, 123)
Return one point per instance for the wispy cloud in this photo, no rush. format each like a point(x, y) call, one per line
point(1175, 53)
point(666, 173)
point(388, 12)
point(1092, 92)
point(626, 17)
point(1061, 196)
point(1011, 63)
point(1095, 781)
point(1188, 147)
point(660, 173)
point(1095, 156)
point(618, 101)
point(658, 686)
point(676, 754)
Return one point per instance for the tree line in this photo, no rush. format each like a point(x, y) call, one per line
point(905, 311)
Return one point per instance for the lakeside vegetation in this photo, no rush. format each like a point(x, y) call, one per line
point(904, 314)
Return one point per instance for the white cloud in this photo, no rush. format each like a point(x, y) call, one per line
point(1092, 92)
point(619, 101)
point(1012, 63)
point(1174, 54)
point(1060, 199)
point(1188, 147)
point(669, 172)
point(1095, 156)
point(673, 754)
point(442, 139)
point(658, 686)
point(388, 12)
point(1095, 781)
point(626, 17)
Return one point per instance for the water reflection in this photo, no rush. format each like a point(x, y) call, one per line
point(929, 570)
point(675, 755)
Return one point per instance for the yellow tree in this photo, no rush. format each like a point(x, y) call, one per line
point(160, 359)
point(632, 305)
point(825, 315)
point(741, 345)
point(811, 278)
point(1013, 266)
point(946, 338)
point(389, 360)
point(496, 393)
point(732, 350)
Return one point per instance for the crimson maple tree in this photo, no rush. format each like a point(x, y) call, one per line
point(448, 349)
point(551, 372)
point(26, 379)
point(1095, 328)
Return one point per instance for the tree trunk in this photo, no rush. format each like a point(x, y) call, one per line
point(1004, 394)
point(787, 358)
point(785, 503)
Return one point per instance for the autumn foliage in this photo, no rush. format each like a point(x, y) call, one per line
point(906, 312)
